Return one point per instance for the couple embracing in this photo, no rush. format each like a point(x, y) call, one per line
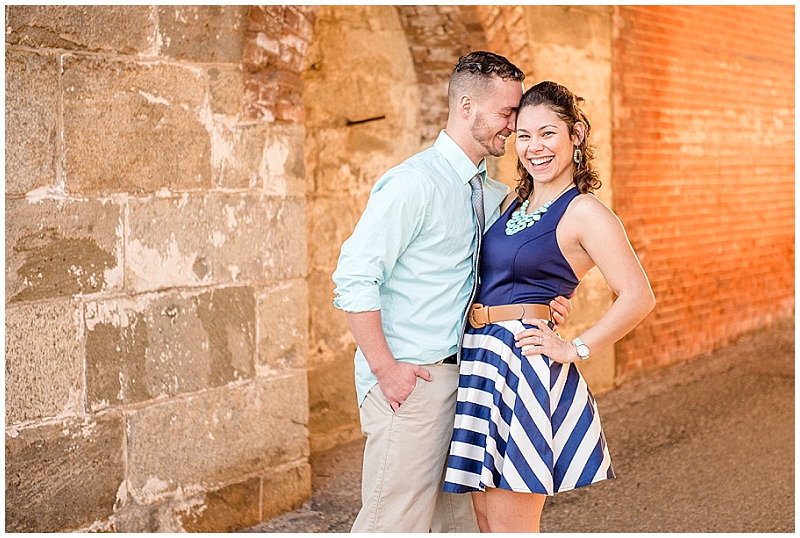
point(471, 402)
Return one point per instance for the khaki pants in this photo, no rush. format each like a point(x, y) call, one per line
point(405, 457)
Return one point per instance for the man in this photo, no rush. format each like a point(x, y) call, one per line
point(404, 280)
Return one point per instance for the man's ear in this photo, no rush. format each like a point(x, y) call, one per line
point(466, 105)
point(579, 133)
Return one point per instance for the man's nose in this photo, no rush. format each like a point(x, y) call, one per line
point(512, 123)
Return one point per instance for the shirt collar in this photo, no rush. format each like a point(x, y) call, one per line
point(458, 159)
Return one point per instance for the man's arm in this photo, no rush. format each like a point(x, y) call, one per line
point(396, 379)
point(562, 308)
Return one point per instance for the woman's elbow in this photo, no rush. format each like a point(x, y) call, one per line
point(641, 299)
point(648, 300)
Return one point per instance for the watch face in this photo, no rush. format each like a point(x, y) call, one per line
point(581, 348)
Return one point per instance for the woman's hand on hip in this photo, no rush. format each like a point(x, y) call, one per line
point(541, 340)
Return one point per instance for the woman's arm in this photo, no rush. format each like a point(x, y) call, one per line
point(603, 238)
point(599, 239)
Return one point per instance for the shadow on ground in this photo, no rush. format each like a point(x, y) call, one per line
point(703, 446)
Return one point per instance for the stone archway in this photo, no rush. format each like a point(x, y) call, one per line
point(439, 35)
point(359, 88)
point(374, 92)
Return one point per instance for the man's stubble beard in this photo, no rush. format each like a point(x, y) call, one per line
point(479, 132)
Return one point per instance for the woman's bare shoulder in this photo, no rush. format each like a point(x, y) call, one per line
point(589, 210)
point(590, 204)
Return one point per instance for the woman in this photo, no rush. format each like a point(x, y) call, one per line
point(526, 423)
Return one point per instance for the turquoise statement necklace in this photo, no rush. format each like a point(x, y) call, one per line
point(521, 219)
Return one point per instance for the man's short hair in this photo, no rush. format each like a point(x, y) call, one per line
point(474, 70)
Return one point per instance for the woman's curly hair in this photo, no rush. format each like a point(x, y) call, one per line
point(567, 106)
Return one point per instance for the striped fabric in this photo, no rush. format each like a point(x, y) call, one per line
point(522, 423)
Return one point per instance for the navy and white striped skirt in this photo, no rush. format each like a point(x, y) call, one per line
point(524, 424)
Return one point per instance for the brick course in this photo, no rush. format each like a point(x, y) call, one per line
point(276, 41)
point(704, 172)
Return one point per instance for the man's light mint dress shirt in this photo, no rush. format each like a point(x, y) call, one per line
point(410, 255)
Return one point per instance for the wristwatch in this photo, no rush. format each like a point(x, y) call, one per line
point(581, 348)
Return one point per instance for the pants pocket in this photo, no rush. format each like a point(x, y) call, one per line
point(411, 397)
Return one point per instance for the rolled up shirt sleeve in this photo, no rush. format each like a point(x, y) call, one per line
point(357, 285)
point(393, 217)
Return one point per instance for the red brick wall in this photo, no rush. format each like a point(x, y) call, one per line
point(276, 41)
point(703, 148)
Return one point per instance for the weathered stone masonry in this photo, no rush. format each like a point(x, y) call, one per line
point(156, 302)
point(179, 181)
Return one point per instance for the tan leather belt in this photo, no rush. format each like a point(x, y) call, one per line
point(481, 315)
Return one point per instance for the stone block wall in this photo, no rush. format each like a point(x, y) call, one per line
point(156, 295)
point(362, 104)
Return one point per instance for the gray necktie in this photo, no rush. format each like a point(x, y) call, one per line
point(477, 206)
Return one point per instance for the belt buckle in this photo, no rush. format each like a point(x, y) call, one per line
point(475, 308)
point(521, 314)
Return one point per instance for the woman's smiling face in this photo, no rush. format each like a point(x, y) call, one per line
point(544, 144)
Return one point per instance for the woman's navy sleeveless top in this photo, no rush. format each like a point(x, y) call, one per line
point(527, 267)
